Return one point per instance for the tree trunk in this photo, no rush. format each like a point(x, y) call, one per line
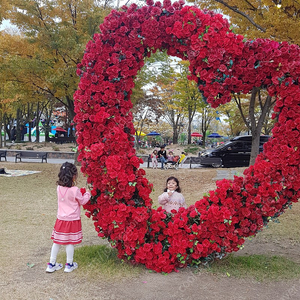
point(18, 129)
point(70, 106)
point(37, 129)
point(5, 131)
point(190, 117)
point(255, 145)
point(29, 130)
point(205, 121)
point(29, 114)
point(189, 134)
point(137, 139)
point(175, 134)
point(47, 123)
point(256, 127)
point(175, 137)
point(47, 130)
point(175, 123)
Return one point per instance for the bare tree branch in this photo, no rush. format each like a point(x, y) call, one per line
point(250, 4)
point(235, 9)
point(254, 92)
point(264, 111)
point(260, 101)
point(239, 105)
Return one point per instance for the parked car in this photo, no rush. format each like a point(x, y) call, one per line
point(234, 153)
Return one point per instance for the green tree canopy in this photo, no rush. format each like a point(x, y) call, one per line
point(53, 36)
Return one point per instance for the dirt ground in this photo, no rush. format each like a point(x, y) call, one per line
point(27, 215)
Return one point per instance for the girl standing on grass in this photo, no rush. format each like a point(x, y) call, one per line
point(67, 229)
point(154, 159)
point(172, 199)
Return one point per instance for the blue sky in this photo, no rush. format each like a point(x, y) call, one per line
point(5, 24)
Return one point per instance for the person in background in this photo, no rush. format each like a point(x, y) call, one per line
point(162, 156)
point(13, 134)
point(182, 157)
point(23, 130)
point(154, 159)
point(171, 157)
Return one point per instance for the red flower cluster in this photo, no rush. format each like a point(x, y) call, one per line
point(221, 63)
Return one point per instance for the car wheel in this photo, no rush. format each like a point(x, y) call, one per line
point(217, 164)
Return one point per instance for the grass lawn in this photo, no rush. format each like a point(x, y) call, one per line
point(28, 212)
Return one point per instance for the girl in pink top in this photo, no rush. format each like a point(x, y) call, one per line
point(154, 159)
point(67, 228)
point(170, 157)
point(172, 199)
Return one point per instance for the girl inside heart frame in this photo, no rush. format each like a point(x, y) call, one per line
point(222, 63)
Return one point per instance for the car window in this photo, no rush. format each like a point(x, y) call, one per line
point(223, 145)
point(237, 146)
point(247, 146)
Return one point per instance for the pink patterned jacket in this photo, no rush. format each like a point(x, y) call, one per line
point(175, 201)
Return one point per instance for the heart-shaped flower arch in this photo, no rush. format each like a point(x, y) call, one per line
point(222, 63)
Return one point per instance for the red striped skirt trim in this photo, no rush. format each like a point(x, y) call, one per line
point(67, 232)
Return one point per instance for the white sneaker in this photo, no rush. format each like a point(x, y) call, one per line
point(70, 267)
point(51, 268)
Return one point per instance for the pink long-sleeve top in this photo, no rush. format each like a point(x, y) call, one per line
point(170, 158)
point(69, 201)
point(175, 201)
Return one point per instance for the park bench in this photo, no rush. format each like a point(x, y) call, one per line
point(188, 160)
point(146, 158)
point(31, 155)
point(191, 160)
point(3, 154)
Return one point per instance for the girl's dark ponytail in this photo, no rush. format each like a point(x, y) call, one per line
point(66, 174)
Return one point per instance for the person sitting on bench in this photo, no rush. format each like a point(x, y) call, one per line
point(171, 158)
point(162, 156)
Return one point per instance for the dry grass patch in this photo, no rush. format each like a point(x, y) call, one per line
point(101, 261)
point(260, 267)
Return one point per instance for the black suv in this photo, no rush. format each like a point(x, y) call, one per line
point(234, 153)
